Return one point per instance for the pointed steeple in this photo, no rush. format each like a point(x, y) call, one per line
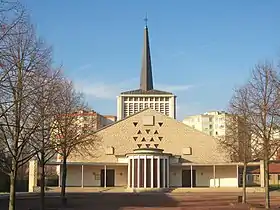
point(146, 82)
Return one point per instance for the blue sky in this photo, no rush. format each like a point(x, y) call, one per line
point(200, 49)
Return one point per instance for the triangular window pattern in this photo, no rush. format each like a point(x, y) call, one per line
point(148, 145)
point(156, 132)
point(148, 131)
point(143, 139)
point(139, 145)
point(135, 138)
point(152, 139)
point(160, 138)
point(139, 132)
point(135, 123)
point(156, 145)
point(160, 124)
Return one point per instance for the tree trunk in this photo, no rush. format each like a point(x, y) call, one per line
point(266, 183)
point(13, 178)
point(42, 183)
point(244, 182)
point(63, 181)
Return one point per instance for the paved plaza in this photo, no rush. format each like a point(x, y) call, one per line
point(137, 201)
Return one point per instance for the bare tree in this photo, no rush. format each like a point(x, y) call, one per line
point(24, 58)
point(45, 105)
point(11, 14)
point(237, 141)
point(74, 133)
point(260, 107)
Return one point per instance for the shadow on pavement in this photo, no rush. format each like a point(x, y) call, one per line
point(98, 201)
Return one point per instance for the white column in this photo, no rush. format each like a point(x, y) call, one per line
point(132, 172)
point(168, 171)
point(191, 176)
point(138, 172)
point(262, 182)
point(128, 173)
point(152, 172)
point(145, 171)
point(214, 175)
point(33, 173)
point(105, 175)
point(164, 171)
point(82, 176)
point(158, 172)
point(60, 176)
point(237, 176)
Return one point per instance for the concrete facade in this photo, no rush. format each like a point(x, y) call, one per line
point(128, 104)
point(179, 155)
point(212, 123)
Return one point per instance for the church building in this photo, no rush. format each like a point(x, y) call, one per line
point(147, 148)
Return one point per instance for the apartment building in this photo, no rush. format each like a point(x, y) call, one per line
point(93, 119)
point(212, 123)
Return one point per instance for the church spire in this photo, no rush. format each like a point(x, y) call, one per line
point(146, 82)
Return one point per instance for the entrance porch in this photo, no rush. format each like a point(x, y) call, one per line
point(146, 171)
point(194, 175)
point(95, 174)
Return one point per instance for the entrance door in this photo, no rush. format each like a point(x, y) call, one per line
point(110, 178)
point(186, 178)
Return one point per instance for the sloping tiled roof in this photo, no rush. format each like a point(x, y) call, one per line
point(274, 168)
point(140, 91)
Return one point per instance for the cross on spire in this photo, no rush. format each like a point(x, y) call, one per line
point(146, 81)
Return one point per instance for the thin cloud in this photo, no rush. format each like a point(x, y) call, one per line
point(84, 67)
point(174, 88)
point(109, 91)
